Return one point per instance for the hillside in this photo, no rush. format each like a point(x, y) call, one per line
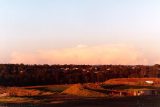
point(134, 81)
point(81, 90)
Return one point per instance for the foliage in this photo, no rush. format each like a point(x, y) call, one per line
point(27, 75)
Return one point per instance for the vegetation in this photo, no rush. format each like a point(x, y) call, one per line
point(80, 90)
point(27, 75)
point(102, 94)
point(49, 88)
point(42, 84)
point(122, 87)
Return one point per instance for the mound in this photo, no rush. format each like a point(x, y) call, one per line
point(93, 86)
point(20, 92)
point(79, 90)
point(132, 81)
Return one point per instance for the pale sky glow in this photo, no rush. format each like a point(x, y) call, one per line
point(80, 31)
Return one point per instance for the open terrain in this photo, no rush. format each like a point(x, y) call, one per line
point(81, 95)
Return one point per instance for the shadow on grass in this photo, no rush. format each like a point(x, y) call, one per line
point(142, 101)
point(51, 89)
point(63, 100)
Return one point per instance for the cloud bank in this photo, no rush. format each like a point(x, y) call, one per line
point(82, 54)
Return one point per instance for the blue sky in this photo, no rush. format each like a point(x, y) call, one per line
point(27, 26)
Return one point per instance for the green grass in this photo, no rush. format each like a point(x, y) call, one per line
point(54, 88)
point(143, 101)
point(16, 100)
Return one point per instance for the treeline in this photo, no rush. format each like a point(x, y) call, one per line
point(23, 75)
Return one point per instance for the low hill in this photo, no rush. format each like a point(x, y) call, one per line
point(80, 90)
point(134, 81)
point(21, 92)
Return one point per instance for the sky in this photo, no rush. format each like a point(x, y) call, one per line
point(80, 31)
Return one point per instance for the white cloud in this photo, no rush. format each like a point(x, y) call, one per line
point(82, 54)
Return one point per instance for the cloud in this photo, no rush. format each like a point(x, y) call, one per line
point(82, 54)
point(3, 53)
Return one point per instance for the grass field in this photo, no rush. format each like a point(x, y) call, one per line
point(133, 81)
point(77, 95)
point(98, 102)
